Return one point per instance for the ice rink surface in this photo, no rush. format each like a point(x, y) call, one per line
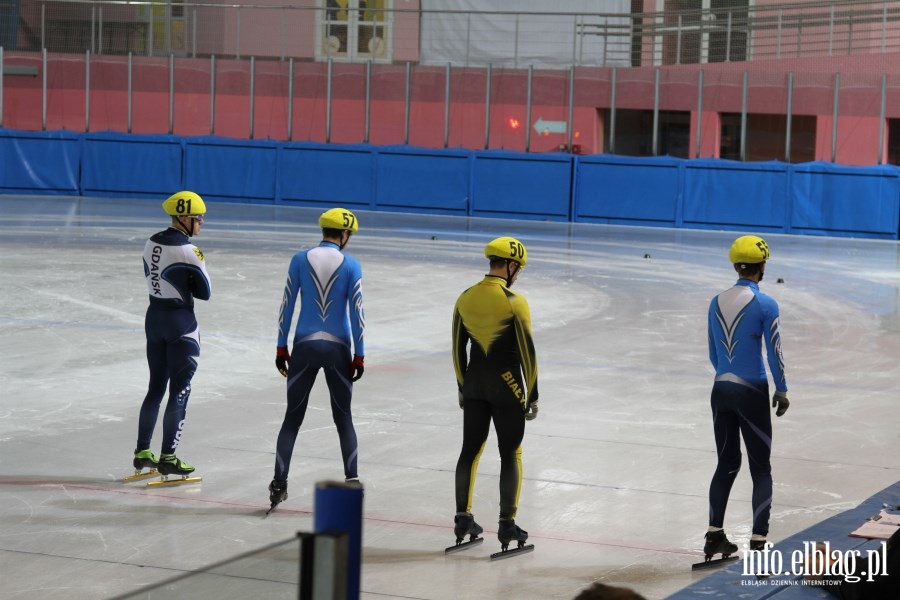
point(617, 466)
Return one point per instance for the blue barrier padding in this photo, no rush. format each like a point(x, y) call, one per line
point(231, 170)
point(727, 194)
point(521, 186)
point(323, 174)
point(423, 180)
point(339, 507)
point(811, 198)
point(729, 582)
point(117, 165)
point(33, 162)
point(833, 199)
point(628, 190)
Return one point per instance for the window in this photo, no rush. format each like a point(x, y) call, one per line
point(354, 29)
point(893, 154)
point(705, 31)
point(766, 137)
point(634, 132)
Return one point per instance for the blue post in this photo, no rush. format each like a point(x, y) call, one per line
point(338, 507)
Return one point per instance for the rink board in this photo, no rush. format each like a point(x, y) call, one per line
point(729, 582)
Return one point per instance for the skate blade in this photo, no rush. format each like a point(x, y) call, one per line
point(463, 546)
point(170, 482)
point(514, 552)
point(709, 564)
point(271, 508)
point(139, 476)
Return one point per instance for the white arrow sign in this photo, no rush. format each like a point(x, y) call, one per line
point(541, 126)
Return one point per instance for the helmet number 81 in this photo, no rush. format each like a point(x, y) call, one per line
point(515, 249)
point(183, 206)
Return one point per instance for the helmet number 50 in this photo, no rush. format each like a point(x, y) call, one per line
point(515, 249)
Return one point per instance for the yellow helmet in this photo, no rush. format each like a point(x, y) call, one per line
point(508, 248)
point(339, 218)
point(749, 250)
point(184, 204)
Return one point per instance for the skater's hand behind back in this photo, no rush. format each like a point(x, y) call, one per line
point(531, 412)
point(781, 401)
point(282, 360)
point(357, 367)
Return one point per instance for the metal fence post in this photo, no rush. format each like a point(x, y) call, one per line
point(571, 122)
point(744, 92)
point(252, 94)
point(87, 90)
point(487, 108)
point(290, 107)
point(528, 103)
point(728, 39)
point(328, 103)
point(1, 87)
point(612, 112)
point(368, 107)
point(789, 110)
point(447, 105)
point(212, 94)
point(699, 112)
point(130, 90)
point(834, 122)
point(407, 103)
point(655, 139)
point(881, 118)
point(171, 93)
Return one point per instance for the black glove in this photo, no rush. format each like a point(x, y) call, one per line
point(780, 400)
point(462, 401)
point(532, 411)
point(282, 360)
point(357, 368)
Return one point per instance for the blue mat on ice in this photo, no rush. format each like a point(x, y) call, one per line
point(729, 582)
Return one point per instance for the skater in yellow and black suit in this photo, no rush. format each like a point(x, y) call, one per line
point(497, 379)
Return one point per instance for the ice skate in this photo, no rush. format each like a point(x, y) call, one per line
point(464, 525)
point(143, 459)
point(169, 464)
point(508, 532)
point(716, 543)
point(354, 482)
point(277, 494)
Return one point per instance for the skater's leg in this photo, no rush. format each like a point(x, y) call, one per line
point(728, 447)
point(301, 377)
point(756, 429)
point(159, 378)
point(341, 390)
point(476, 426)
point(509, 421)
point(182, 357)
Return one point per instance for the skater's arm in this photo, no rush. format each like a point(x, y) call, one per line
point(201, 288)
point(288, 301)
point(772, 335)
point(525, 342)
point(460, 342)
point(357, 316)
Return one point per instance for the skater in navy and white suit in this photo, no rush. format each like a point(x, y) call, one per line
point(328, 337)
point(740, 320)
point(175, 271)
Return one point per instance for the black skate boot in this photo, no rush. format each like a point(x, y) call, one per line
point(464, 525)
point(508, 532)
point(144, 459)
point(758, 544)
point(716, 543)
point(354, 482)
point(277, 493)
point(169, 464)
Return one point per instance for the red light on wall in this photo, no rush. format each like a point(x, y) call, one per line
point(514, 123)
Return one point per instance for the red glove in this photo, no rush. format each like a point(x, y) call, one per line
point(356, 367)
point(282, 360)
